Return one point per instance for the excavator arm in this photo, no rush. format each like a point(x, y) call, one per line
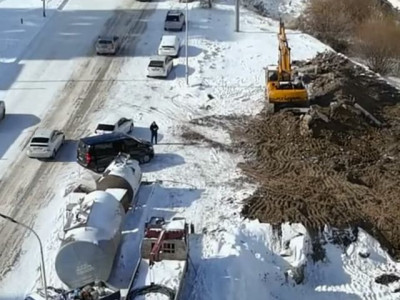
point(282, 91)
point(284, 67)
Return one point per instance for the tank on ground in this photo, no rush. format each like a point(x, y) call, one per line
point(124, 173)
point(94, 223)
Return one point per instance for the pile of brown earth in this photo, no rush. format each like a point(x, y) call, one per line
point(341, 167)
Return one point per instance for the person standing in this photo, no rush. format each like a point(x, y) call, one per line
point(154, 129)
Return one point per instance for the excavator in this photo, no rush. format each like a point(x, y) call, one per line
point(284, 90)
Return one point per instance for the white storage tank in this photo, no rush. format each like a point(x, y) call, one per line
point(123, 173)
point(92, 236)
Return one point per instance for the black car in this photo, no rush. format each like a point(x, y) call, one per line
point(97, 152)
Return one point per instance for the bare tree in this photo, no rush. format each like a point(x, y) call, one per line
point(378, 42)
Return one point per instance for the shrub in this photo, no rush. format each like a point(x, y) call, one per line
point(378, 42)
point(334, 21)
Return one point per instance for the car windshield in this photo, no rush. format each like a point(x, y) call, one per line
point(107, 127)
point(168, 47)
point(173, 18)
point(156, 64)
point(40, 140)
point(105, 42)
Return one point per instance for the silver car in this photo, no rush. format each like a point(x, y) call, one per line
point(2, 110)
point(45, 143)
point(107, 45)
point(122, 125)
point(175, 20)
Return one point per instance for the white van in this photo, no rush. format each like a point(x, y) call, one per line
point(169, 46)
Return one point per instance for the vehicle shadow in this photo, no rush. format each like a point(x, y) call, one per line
point(11, 128)
point(162, 161)
point(192, 51)
point(144, 133)
point(67, 152)
point(179, 71)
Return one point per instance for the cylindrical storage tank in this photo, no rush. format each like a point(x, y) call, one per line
point(87, 252)
point(122, 173)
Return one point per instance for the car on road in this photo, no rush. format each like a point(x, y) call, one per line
point(107, 45)
point(122, 125)
point(45, 143)
point(169, 46)
point(2, 110)
point(160, 66)
point(174, 20)
point(97, 152)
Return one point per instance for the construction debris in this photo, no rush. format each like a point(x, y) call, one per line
point(339, 165)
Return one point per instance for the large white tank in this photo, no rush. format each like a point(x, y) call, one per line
point(123, 173)
point(92, 236)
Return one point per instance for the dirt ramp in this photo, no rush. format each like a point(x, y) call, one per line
point(339, 167)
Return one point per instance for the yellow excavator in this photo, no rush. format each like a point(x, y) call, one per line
point(284, 90)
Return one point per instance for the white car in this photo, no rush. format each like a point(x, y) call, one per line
point(169, 46)
point(122, 125)
point(107, 45)
point(45, 143)
point(160, 66)
point(2, 110)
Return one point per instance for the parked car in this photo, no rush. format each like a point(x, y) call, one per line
point(160, 66)
point(2, 110)
point(107, 45)
point(97, 152)
point(174, 20)
point(45, 143)
point(122, 125)
point(169, 46)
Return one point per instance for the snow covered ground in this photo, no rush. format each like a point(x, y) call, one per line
point(232, 258)
point(395, 3)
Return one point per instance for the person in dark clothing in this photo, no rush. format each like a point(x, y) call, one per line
point(154, 129)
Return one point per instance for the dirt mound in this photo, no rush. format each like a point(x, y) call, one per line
point(344, 169)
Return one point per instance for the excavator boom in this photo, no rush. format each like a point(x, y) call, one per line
point(282, 89)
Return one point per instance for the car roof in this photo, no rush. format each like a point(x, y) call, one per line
point(158, 57)
point(106, 38)
point(168, 39)
point(43, 133)
point(174, 12)
point(104, 138)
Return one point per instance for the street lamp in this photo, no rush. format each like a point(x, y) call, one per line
point(186, 44)
point(41, 249)
point(44, 8)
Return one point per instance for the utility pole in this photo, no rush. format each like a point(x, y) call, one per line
point(186, 44)
point(41, 249)
point(237, 4)
point(44, 8)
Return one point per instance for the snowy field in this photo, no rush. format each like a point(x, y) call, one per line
point(232, 258)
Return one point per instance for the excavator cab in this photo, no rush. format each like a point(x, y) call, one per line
point(285, 90)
